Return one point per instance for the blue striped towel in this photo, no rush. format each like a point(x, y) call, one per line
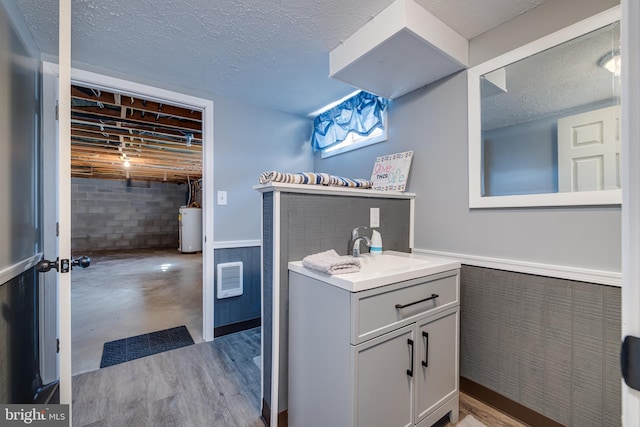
point(313, 178)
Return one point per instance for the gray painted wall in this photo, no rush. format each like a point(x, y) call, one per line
point(19, 145)
point(248, 140)
point(432, 121)
point(538, 22)
point(521, 159)
point(108, 214)
point(551, 345)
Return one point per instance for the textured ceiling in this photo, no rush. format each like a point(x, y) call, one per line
point(556, 81)
point(273, 53)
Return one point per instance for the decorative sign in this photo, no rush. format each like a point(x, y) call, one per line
point(390, 172)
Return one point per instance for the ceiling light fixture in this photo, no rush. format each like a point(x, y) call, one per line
point(611, 62)
point(126, 163)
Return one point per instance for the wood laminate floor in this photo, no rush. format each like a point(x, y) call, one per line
point(485, 414)
point(206, 384)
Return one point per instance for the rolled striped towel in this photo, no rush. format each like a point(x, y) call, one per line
point(340, 181)
point(295, 178)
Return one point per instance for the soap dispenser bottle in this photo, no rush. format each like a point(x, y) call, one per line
point(376, 243)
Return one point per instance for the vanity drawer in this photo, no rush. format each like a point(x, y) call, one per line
point(381, 310)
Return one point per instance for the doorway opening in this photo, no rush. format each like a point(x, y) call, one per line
point(56, 307)
point(136, 171)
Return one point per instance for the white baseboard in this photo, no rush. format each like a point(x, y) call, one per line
point(601, 277)
point(229, 244)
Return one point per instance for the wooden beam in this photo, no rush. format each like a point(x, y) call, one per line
point(148, 142)
point(137, 104)
point(137, 117)
point(150, 133)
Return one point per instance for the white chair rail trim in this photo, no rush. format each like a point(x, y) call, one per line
point(229, 244)
point(601, 277)
point(18, 268)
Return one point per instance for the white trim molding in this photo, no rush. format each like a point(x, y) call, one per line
point(600, 277)
point(18, 268)
point(477, 199)
point(230, 244)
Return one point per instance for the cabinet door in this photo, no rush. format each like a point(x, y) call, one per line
point(384, 369)
point(437, 363)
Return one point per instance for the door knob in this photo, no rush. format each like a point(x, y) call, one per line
point(62, 266)
point(82, 262)
point(46, 265)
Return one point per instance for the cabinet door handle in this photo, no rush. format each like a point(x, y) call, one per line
point(425, 362)
point(401, 306)
point(410, 371)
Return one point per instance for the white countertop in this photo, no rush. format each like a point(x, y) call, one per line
point(385, 269)
point(331, 190)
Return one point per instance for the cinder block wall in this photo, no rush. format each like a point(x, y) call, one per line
point(107, 214)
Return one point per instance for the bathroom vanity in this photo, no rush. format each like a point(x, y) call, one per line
point(300, 220)
point(374, 348)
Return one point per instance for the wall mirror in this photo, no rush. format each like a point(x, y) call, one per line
point(544, 120)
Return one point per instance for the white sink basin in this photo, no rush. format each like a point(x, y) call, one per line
point(389, 261)
point(385, 269)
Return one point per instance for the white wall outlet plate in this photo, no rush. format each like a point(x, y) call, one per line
point(222, 198)
point(374, 217)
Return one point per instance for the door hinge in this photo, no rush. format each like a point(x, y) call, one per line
point(57, 345)
point(57, 229)
point(57, 111)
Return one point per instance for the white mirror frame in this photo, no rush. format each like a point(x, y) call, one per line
point(476, 199)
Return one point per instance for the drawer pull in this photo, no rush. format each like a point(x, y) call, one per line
point(410, 371)
point(401, 306)
point(425, 362)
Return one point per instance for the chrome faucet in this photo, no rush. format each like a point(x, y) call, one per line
point(355, 241)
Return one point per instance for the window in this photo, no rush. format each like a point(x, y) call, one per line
point(354, 141)
point(354, 123)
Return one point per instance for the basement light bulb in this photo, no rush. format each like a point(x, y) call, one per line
point(127, 164)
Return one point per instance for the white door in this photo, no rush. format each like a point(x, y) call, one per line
point(589, 151)
point(57, 175)
point(630, 192)
point(64, 199)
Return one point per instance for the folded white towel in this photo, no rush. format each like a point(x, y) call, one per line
point(330, 262)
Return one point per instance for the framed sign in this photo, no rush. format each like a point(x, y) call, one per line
point(390, 172)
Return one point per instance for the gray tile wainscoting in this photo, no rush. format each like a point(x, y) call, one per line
point(549, 344)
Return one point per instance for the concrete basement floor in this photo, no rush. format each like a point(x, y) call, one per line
point(128, 293)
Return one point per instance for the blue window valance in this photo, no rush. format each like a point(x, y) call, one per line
point(361, 114)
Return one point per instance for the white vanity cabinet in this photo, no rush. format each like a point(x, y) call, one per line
point(385, 356)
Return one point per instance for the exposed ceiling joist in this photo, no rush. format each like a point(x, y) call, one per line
point(160, 142)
